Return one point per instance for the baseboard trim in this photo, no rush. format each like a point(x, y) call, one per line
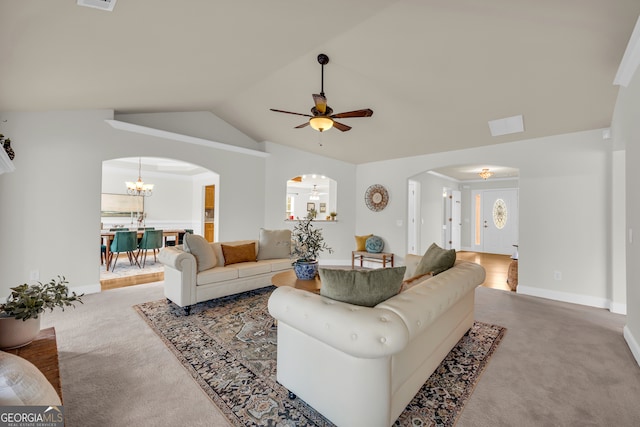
point(618, 308)
point(87, 289)
point(565, 297)
point(632, 343)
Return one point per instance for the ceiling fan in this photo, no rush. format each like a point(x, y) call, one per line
point(323, 117)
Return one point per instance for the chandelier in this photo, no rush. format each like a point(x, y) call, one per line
point(314, 194)
point(139, 188)
point(485, 174)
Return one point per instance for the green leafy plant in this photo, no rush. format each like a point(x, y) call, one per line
point(308, 241)
point(28, 301)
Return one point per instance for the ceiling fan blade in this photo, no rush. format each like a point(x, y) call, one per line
point(341, 126)
point(302, 125)
point(321, 103)
point(357, 113)
point(289, 112)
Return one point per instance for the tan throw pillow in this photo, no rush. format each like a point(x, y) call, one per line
point(436, 260)
point(361, 242)
point(239, 253)
point(274, 244)
point(361, 287)
point(201, 249)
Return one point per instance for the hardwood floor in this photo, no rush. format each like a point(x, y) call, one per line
point(137, 279)
point(496, 266)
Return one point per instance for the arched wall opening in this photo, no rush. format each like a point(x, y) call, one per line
point(179, 199)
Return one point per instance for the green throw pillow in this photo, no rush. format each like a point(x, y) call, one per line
point(436, 260)
point(361, 287)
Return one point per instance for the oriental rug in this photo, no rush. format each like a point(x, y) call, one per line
point(228, 346)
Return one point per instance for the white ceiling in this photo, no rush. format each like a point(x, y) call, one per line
point(434, 71)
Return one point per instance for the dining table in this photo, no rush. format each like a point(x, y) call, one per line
point(107, 237)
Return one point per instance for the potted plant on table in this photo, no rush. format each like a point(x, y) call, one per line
point(19, 316)
point(308, 243)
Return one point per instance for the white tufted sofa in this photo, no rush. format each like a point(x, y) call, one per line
point(361, 366)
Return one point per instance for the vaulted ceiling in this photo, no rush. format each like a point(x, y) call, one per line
point(433, 71)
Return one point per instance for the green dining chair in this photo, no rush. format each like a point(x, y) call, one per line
point(151, 239)
point(124, 241)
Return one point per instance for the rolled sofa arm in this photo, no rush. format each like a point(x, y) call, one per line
point(173, 257)
point(359, 331)
point(179, 275)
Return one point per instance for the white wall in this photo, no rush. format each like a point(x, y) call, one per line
point(50, 205)
point(626, 133)
point(564, 209)
point(284, 163)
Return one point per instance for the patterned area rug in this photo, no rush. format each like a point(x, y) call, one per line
point(229, 347)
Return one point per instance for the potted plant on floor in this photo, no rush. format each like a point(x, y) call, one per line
point(19, 316)
point(308, 243)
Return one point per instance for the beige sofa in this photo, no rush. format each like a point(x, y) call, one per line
point(361, 366)
point(184, 285)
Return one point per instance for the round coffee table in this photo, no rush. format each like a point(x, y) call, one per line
point(289, 278)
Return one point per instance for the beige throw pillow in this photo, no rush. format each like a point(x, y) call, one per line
point(201, 249)
point(274, 244)
point(361, 287)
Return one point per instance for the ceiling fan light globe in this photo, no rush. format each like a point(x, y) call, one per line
point(321, 123)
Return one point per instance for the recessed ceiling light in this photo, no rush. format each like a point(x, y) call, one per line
point(506, 126)
point(98, 4)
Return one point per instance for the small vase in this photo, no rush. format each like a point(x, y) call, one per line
point(306, 270)
point(17, 333)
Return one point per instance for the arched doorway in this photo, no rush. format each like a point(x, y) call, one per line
point(177, 202)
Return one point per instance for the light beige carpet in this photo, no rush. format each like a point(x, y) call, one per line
point(558, 365)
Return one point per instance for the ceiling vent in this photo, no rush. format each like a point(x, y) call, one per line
point(506, 126)
point(98, 4)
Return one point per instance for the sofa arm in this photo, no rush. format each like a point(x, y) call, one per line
point(179, 275)
point(359, 331)
point(173, 257)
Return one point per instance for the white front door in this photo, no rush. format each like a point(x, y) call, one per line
point(496, 222)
